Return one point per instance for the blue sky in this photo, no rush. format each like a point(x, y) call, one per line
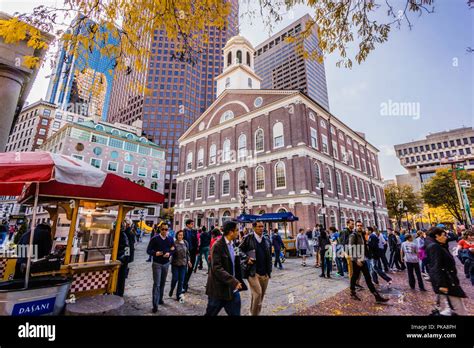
point(428, 65)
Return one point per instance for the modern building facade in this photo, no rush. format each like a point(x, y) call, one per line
point(421, 158)
point(179, 93)
point(282, 66)
point(84, 82)
point(16, 80)
point(282, 144)
point(115, 149)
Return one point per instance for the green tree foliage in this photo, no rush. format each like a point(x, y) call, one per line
point(440, 191)
point(402, 196)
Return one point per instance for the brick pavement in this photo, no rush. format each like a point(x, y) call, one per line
point(290, 290)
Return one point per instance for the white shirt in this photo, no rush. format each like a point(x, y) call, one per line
point(258, 238)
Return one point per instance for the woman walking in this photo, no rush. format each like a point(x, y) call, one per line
point(302, 245)
point(179, 263)
point(409, 252)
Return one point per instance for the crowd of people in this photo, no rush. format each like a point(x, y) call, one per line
point(234, 254)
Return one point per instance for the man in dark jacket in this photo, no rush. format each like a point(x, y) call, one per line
point(161, 248)
point(277, 246)
point(256, 253)
point(42, 244)
point(223, 284)
point(123, 255)
point(131, 240)
point(443, 273)
point(344, 241)
point(204, 242)
point(395, 256)
point(190, 235)
point(358, 252)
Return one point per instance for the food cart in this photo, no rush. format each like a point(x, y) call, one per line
point(86, 207)
point(86, 224)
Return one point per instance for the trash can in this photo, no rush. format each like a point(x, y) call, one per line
point(45, 296)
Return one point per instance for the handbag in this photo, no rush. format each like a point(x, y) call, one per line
point(282, 257)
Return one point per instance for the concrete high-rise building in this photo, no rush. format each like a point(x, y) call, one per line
point(179, 93)
point(281, 65)
point(421, 158)
point(82, 81)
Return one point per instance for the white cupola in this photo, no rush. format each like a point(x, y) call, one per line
point(238, 70)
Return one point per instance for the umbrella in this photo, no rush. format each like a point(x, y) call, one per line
point(18, 170)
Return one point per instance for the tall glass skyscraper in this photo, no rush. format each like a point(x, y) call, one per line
point(179, 93)
point(84, 83)
point(281, 67)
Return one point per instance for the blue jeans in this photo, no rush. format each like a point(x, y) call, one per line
point(340, 265)
point(232, 307)
point(179, 273)
point(160, 271)
point(202, 252)
point(370, 266)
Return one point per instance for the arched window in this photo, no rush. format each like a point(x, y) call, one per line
point(280, 175)
point(249, 82)
point(259, 140)
point(347, 185)
point(261, 212)
point(362, 190)
point(227, 82)
point(242, 177)
point(141, 182)
point(242, 146)
point(212, 154)
point(343, 219)
point(228, 115)
point(199, 188)
point(338, 183)
point(239, 57)
point(229, 58)
point(211, 187)
point(332, 218)
point(226, 151)
point(278, 139)
point(317, 175)
point(259, 178)
point(226, 216)
point(225, 184)
point(154, 186)
point(369, 193)
point(354, 188)
point(327, 174)
point(248, 58)
point(200, 158)
point(189, 161)
point(187, 190)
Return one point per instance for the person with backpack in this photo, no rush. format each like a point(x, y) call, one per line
point(180, 261)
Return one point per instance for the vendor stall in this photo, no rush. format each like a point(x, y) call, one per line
point(86, 207)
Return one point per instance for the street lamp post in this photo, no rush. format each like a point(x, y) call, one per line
point(243, 196)
point(406, 213)
point(323, 207)
point(375, 213)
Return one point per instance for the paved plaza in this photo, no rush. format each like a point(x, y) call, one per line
point(290, 290)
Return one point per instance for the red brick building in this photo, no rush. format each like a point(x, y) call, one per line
point(283, 144)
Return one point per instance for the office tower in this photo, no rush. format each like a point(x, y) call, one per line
point(421, 158)
point(84, 82)
point(178, 93)
point(281, 67)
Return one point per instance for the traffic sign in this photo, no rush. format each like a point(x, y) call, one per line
point(465, 183)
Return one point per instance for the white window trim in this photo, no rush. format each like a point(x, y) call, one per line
point(311, 137)
point(97, 159)
point(155, 171)
point(126, 164)
point(330, 180)
point(275, 176)
point(262, 189)
point(222, 185)
point(263, 140)
point(200, 165)
point(202, 188)
point(185, 190)
point(113, 171)
point(208, 186)
point(138, 172)
point(324, 136)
